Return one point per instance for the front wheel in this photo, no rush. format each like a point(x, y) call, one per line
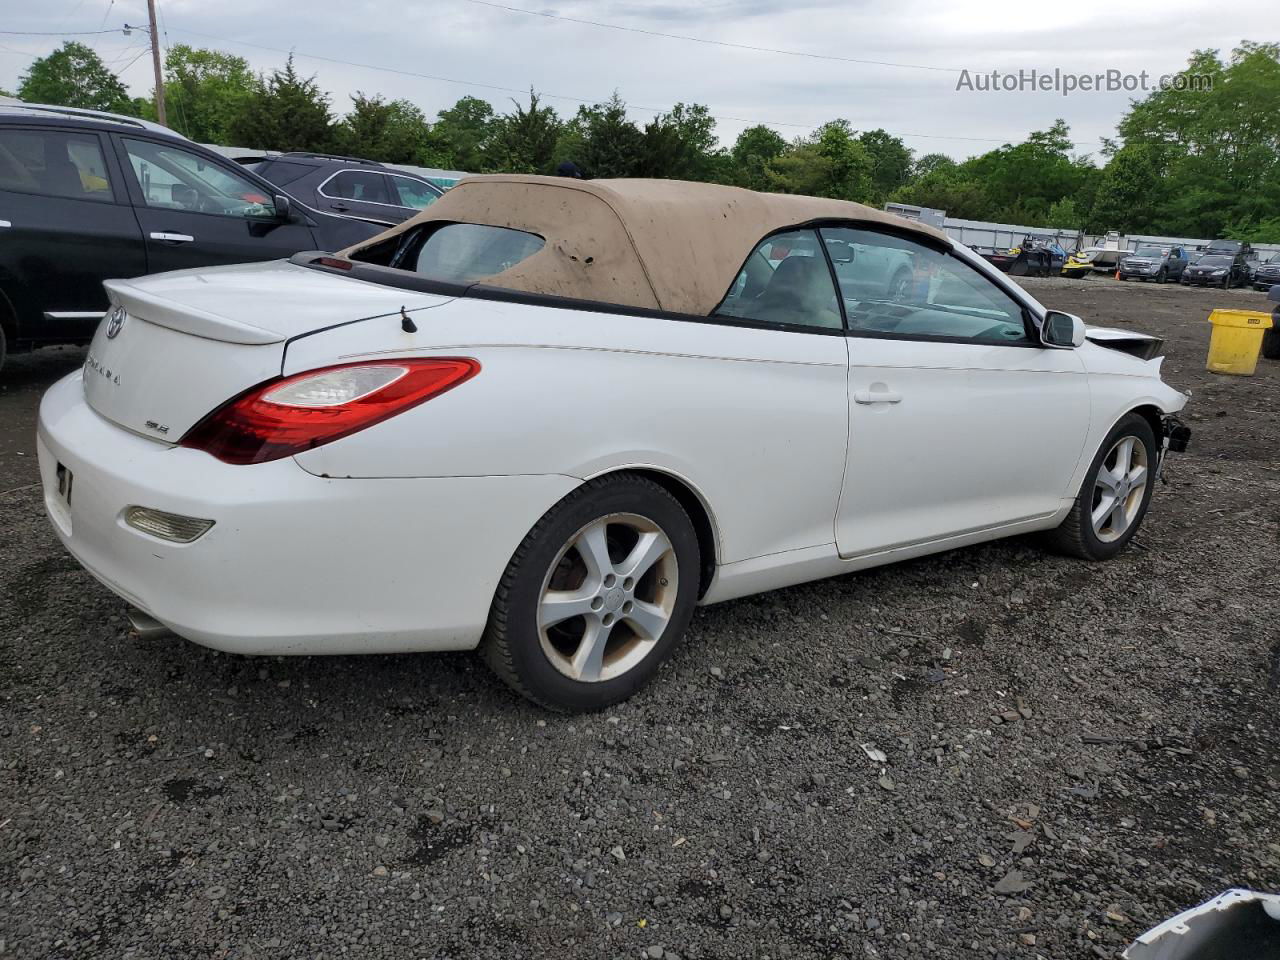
point(1271, 341)
point(1162, 276)
point(596, 595)
point(1114, 496)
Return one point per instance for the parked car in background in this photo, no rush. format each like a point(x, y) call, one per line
point(431, 368)
point(87, 196)
point(1154, 263)
point(1267, 274)
point(348, 186)
point(1217, 270)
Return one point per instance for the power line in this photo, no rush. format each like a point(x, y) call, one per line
point(550, 96)
point(55, 33)
point(714, 43)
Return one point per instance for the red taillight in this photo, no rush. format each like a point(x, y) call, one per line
point(291, 414)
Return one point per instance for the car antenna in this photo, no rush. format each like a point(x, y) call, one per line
point(407, 325)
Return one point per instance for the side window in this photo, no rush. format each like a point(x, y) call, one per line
point(172, 178)
point(785, 280)
point(896, 287)
point(53, 164)
point(413, 193)
point(357, 185)
point(470, 252)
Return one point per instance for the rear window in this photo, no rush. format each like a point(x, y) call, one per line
point(467, 252)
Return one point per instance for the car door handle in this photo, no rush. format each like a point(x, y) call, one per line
point(5, 223)
point(172, 237)
point(341, 207)
point(876, 396)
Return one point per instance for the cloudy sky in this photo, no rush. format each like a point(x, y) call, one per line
point(433, 53)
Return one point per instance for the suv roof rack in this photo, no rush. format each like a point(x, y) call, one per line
point(103, 115)
point(331, 156)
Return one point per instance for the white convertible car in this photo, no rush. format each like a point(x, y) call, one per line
point(549, 417)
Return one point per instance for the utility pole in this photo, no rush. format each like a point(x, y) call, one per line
point(155, 63)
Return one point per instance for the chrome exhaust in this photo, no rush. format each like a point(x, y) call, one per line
point(146, 626)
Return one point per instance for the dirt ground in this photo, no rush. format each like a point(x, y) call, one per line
point(1074, 751)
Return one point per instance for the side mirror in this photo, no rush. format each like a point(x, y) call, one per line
point(840, 251)
point(1062, 331)
point(284, 209)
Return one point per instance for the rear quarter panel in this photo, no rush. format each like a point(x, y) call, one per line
point(755, 421)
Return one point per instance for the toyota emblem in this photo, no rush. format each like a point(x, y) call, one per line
point(115, 322)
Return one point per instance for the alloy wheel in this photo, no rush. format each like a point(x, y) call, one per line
point(1119, 489)
point(608, 597)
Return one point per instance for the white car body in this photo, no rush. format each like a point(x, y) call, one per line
point(811, 455)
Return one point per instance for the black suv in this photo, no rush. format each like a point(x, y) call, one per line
point(88, 196)
point(347, 186)
point(1267, 275)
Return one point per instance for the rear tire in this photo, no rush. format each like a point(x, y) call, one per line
point(1114, 497)
point(569, 628)
point(4, 347)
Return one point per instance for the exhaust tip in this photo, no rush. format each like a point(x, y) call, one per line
point(146, 626)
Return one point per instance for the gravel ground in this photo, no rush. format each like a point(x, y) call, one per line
point(1071, 752)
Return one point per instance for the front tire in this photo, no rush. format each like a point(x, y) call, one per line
point(1271, 341)
point(1113, 499)
point(596, 596)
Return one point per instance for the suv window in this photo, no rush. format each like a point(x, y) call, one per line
point(53, 164)
point(467, 252)
point(894, 287)
point(413, 193)
point(172, 178)
point(280, 172)
point(785, 280)
point(356, 185)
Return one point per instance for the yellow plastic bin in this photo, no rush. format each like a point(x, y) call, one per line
point(1236, 341)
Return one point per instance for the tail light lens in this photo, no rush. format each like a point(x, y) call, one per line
point(289, 415)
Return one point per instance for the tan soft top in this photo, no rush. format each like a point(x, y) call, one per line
point(658, 244)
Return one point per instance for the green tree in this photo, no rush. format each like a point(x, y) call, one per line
point(525, 140)
point(460, 136)
point(607, 143)
point(286, 112)
point(890, 162)
point(74, 76)
point(829, 163)
point(681, 144)
point(391, 131)
point(753, 152)
point(204, 92)
point(931, 163)
point(1023, 181)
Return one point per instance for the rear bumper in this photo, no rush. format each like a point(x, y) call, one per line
point(295, 563)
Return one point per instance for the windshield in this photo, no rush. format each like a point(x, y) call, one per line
point(467, 252)
point(1223, 246)
point(1274, 258)
point(1148, 252)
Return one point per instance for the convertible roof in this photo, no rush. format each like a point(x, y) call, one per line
point(657, 244)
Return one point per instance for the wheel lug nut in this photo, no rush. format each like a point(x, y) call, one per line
point(628, 584)
point(596, 603)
